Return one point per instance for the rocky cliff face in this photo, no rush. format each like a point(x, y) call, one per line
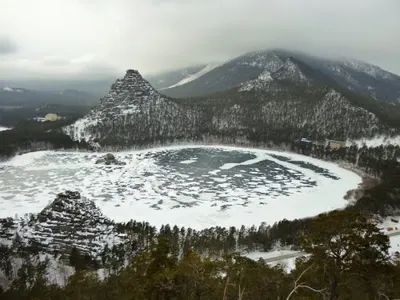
point(134, 112)
point(278, 106)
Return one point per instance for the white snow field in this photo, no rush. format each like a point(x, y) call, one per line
point(196, 186)
point(192, 77)
point(4, 128)
point(285, 258)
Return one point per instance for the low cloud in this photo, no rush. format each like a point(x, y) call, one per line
point(7, 45)
point(158, 35)
point(53, 67)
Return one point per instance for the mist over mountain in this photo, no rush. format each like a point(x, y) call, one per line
point(351, 74)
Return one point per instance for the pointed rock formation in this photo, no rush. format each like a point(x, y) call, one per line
point(69, 221)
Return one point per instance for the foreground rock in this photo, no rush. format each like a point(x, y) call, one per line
point(69, 221)
point(109, 159)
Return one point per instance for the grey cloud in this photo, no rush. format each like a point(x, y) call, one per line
point(7, 45)
point(158, 35)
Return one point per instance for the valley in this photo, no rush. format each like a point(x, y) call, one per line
point(199, 150)
point(248, 159)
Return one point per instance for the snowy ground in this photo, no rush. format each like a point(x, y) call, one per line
point(4, 128)
point(394, 244)
point(277, 257)
point(375, 142)
point(196, 186)
point(287, 258)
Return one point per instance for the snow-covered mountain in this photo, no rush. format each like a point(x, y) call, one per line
point(290, 104)
point(133, 112)
point(354, 75)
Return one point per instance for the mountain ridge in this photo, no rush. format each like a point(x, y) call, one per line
point(290, 106)
point(352, 74)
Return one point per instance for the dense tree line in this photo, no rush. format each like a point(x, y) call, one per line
point(28, 136)
point(347, 258)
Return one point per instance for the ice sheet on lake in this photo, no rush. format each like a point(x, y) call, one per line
point(221, 186)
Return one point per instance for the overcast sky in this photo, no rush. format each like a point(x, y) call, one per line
point(97, 38)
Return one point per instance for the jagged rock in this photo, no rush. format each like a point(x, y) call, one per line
point(69, 221)
point(69, 195)
point(109, 159)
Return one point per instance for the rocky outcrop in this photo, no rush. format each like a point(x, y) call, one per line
point(109, 159)
point(69, 221)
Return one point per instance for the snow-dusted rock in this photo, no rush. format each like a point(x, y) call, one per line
point(133, 112)
point(109, 159)
point(69, 221)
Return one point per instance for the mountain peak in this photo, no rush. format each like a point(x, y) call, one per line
point(133, 84)
point(131, 73)
point(128, 97)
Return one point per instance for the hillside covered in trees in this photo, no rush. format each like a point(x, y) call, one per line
point(343, 251)
point(28, 136)
point(289, 106)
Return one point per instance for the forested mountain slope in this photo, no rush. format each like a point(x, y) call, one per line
point(280, 106)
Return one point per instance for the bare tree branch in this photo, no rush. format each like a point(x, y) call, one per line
point(383, 295)
point(303, 285)
point(310, 288)
point(226, 288)
point(241, 292)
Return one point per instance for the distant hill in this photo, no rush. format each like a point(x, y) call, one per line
point(96, 87)
point(16, 96)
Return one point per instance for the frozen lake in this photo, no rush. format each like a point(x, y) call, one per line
point(196, 186)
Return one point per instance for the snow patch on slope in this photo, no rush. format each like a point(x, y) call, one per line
point(192, 77)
